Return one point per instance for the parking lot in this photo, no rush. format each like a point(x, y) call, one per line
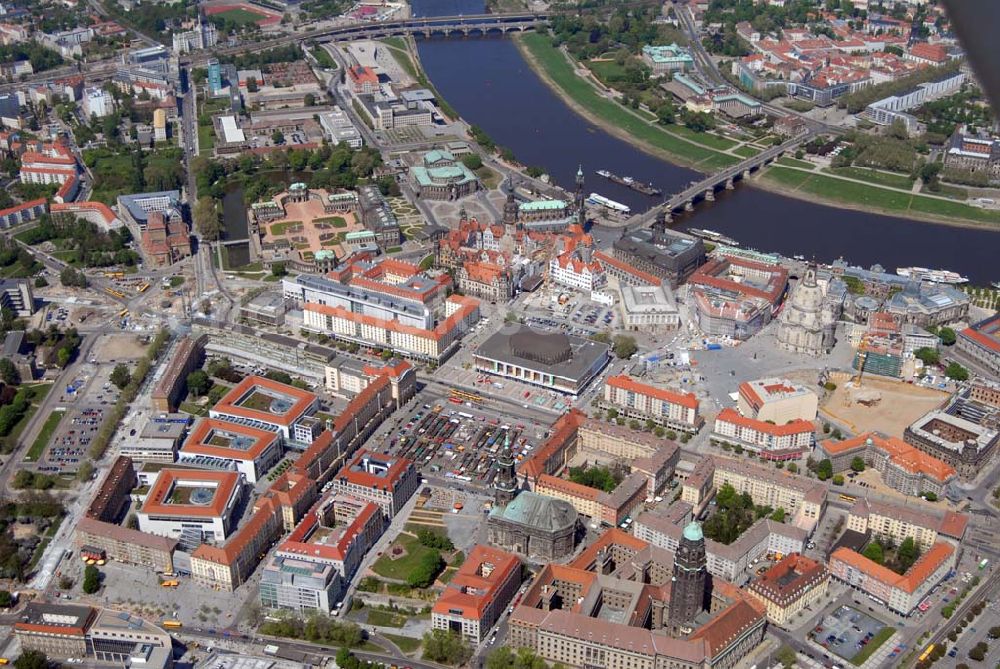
point(87, 399)
point(846, 631)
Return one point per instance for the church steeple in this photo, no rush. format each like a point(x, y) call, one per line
point(510, 207)
point(505, 487)
point(578, 200)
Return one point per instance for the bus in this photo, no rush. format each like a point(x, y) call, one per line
point(466, 416)
point(848, 498)
point(115, 275)
point(173, 624)
point(123, 313)
point(466, 396)
point(143, 288)
point(927, 652)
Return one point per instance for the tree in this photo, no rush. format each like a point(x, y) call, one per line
point(624, 347)
point(32, 659)
point(838, 479)
point(91, 579)
point(6, 599)
point(907, 554)
point(858, 464)
point(309, 99)
point(930, 496)
point(927, 355)
point(472, 161)
point(63, 356)
point(786, 655)
point(824, 470)
point(252, 85)
point(207, 220)
point(8, 372)
point(120, 375)
point(778, 515)
point(947, 336)
point(85, 471)
point(995, 632)
point(793, 468)
point(978, 652)
point(198, 382)
point(956, 372)
point(613, 413)
point(278, 269)
point(873, 551)
point(278, 138)
point(279, 376)
point(445, 646)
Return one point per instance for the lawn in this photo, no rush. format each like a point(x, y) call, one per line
point(880, 638)
point(793, 162)
point(407, 644)
point(559, 70)
point(901, 181)
point(386, 618)
point(38, 393)
point(786, 177)
point(400, 568)
point(206, 138)
point(240, 16)
point(954, 192)
point(746, 151)
point(281, 228)
point(947, 209)
point(848, 191)
point(335, 221)
point(44, 436)
point(395, 42)
point(605, 70)
point(717, 162)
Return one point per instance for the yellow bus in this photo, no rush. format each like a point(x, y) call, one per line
point(927, 652)
point(115, 275)
point(173, 624)
point(123, 313)
point(465, 396)
point(143, 288)
point(848, 498)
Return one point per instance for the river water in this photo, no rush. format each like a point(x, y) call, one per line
point(488, 82)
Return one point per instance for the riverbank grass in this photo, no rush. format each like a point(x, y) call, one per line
point(557, 69)
point(876, 198)
point(890, 179)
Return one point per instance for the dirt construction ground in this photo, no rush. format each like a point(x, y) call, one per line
point(900, 405)
point(120, 347)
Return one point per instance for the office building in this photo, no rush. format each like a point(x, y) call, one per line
point(172, 386)
point(126, 545)
point(648, 308)
point(552, 360)
point(477, 594)
point(667, 59)
point(97, 103)
point(192, 505)
point(899, 593)
point(777, 400)
point(218, 444)
point(791, 585)
point(770, 440)
point(261, 403)
point(16, 295)
point(135, 209)
point(980, 343)
point(310, 569)
point(902, 466)
point(202, 36)
point(387, 481)
point(338, 128)
point(112, 498)
point(897, 522)
point(957, 438)
point(642, 401)
point(79, 633)
point(661, 252)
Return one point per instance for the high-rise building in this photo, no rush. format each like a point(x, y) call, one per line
point(687, 589)
point(214, 77)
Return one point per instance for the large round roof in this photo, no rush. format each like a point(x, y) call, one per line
point(546, 347)
point(692, 532)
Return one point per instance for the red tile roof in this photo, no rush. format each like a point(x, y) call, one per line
point(224, 483)
point(199, 440)
point(470, 590)
point(625, 382)
point(730, 415)
point(302, 399)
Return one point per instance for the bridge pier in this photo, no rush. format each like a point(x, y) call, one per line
point(689, 206)
point(746, 173)
point(729, 183)
point(710, 195)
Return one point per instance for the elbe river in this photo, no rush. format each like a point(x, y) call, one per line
point(488, 82)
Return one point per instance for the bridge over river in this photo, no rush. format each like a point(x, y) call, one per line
point(724, 179)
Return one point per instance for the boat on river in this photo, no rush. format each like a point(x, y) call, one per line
point(609, 204)
point(933, 275)
point(630, 182)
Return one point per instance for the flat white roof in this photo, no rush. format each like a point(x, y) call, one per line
point(231, 132)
